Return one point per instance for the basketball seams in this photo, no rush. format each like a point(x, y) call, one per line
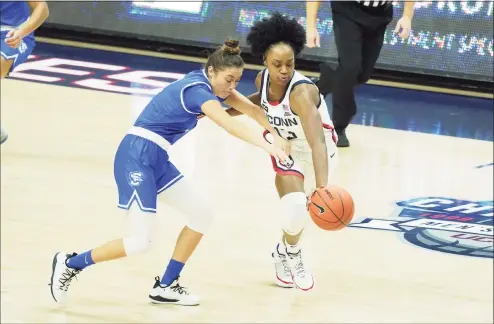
point(353, 211)
point(325, 220)
point(343, 206)
point(329, 208)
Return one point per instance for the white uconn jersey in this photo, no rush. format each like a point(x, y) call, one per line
point(280, 115)
point(288, 125)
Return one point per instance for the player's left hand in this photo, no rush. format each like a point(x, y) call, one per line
point(283, 144)
point(403, 27)
point(14, 38)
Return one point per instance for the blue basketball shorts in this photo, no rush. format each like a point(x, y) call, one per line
point(20, 54)
point(142, 170)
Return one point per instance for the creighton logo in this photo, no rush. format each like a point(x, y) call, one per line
point(442, 224)
point(135, 178)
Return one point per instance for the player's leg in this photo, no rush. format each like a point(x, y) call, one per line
point(137, 195)
point(289, 263)
point(293, 183)
point(292, 216)
point(10, 59)
point(186, 199)
point(179, 193)
point(5, 65)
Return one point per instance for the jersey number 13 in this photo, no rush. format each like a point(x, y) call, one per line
point(288, 135)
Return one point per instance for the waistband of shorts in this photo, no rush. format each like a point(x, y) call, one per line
point(151, 136)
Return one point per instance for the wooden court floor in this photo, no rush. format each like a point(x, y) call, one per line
point(58, 194)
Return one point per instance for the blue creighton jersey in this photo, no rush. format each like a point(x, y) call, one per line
point(13, 13)
point(173, 112)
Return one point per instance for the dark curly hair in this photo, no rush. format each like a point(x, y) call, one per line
point(274, 30)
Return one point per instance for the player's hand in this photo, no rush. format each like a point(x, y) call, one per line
point(307, 203)
point(14, 38)
point(313, 37)
point(277, 153)
point(310, 196)
point(282, 144)
point(403, 27)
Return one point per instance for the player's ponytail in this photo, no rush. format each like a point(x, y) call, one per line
point(226, 56)
point(231, 47)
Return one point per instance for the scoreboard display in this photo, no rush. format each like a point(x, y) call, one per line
point(448, 38)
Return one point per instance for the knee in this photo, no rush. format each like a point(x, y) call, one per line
point(189, 201)
point(201, 220)
point(136, 244)
point(294, 215)
point(141, 228)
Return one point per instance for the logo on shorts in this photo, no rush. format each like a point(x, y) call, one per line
point(136, 178)
point(288, 164)
point(441, 224)
point(22, 47)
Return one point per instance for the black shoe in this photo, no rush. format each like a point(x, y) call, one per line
point(342, 139)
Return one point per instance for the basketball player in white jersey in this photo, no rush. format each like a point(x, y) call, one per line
point(298, 113)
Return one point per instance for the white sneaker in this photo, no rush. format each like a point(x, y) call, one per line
point(301, 277)
point(172, 294)
point(61, 277)
point(283, 273)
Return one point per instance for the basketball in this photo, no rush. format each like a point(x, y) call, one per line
point(331, 208)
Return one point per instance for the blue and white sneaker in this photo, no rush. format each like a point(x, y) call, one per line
point(61, 277)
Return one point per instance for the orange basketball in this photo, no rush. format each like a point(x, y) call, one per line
point(331, 208)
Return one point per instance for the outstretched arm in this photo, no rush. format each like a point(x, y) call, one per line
point(246, 106)
point(217, 114)
point(255, 98)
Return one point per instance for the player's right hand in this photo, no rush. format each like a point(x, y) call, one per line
point(13, 38)
point(313, 37)
point(282, 144)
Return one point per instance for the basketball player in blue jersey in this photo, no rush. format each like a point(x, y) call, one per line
point(18, 21)
point(142, 170)
point(298, 113)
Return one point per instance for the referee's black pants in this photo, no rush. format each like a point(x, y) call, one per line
point(359, 35)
